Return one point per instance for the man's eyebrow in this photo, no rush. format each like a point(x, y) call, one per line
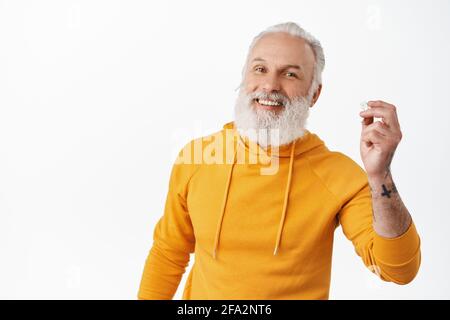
point(286, 66)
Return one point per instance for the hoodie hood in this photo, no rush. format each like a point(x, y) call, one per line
point(296, 148)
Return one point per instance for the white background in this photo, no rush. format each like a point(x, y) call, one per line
point(96, 98)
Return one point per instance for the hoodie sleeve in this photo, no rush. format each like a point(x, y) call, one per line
point(392, 259)
point(173, 241)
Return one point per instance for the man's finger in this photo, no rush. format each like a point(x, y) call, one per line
point(380, 103)
point(385, 114)
point(384, 105)
point(372, 137)
point(367, 121)
point(378, 127)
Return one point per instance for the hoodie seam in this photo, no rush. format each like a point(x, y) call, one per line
point(321, 180)
point(189, 181)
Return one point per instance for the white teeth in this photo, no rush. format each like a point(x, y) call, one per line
point(269, 103)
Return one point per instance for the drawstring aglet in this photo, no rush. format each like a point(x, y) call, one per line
point(275, 251)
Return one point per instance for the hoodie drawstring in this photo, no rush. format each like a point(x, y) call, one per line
point(285, 202)
point(224, 203)
point(286, 199)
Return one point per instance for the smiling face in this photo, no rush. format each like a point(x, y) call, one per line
point(275, 96)
point(280, 64)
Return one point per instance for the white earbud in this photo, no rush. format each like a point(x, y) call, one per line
point(364, 106)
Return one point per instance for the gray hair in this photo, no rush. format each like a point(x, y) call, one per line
point(295, 30)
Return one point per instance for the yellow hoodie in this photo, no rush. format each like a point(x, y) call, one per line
point(266, 236)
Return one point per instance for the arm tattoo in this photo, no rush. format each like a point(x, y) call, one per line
point(390, 216)
point(386, 192)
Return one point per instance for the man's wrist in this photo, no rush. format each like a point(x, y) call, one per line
point(376, 182)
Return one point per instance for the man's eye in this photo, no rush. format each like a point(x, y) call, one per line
point(291, 74)
point(259, 69)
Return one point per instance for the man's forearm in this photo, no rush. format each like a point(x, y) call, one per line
point(390, 216)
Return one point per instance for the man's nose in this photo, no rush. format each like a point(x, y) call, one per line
point(271, 83)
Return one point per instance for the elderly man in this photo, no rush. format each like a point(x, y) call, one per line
point(269, 234)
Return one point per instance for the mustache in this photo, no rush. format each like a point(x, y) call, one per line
point(274, 96)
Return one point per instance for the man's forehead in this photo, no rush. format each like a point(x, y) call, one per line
point(282, 49)
point(285, 65)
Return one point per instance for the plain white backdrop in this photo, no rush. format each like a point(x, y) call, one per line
point(97, 97)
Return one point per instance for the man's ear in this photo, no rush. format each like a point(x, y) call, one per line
point(316, 95)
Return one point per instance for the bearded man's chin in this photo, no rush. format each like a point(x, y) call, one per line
point(289, 123)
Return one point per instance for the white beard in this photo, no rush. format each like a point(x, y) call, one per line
point(267, 127)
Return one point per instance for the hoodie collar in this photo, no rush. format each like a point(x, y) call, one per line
point(303, 144)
